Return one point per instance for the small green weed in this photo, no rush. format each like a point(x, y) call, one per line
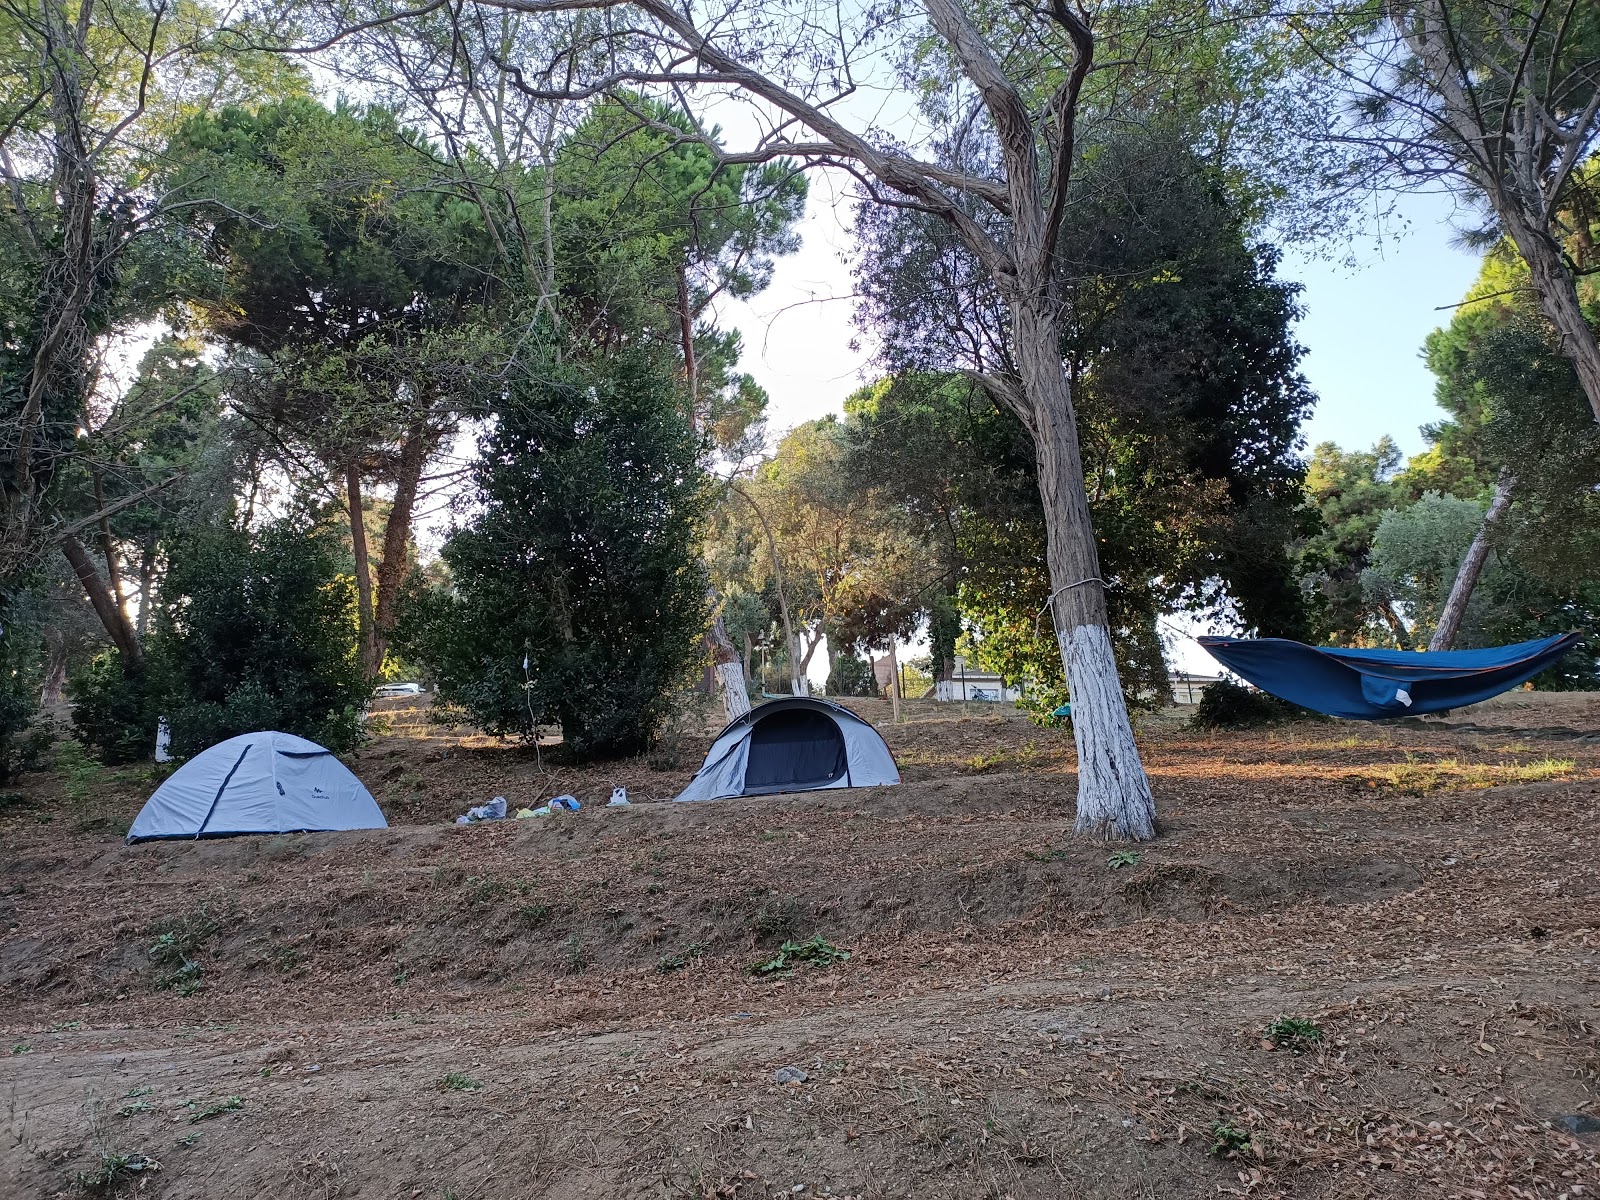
point(21, 1048)
point(1294, 1033)
point(175, 947)
point(1124, 858)
point(816, 950)
point(113, 1170)
point(455, 1081)
point(1049, 854)
point(138, 1101)
point(64, 1026)
point(534, 914)
point(216, 1108)
point(577, 956)
point(680, 960)
point(1228, 1140)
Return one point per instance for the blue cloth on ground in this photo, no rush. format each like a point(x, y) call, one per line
point(1368, 685)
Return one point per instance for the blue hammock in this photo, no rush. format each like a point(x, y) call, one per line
point(1368, 685)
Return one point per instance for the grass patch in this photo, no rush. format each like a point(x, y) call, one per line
point(778, 917)
point(577, 955)
point(173, 952)
point(680, 960)
point(817, 951)
point(1048, 854)
point(533, 915)
point(1417, 778)
point(1294, 1033)
point(455, 1081)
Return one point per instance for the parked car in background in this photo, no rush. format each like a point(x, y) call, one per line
point(398, 689)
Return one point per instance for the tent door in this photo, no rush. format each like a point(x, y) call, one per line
point(794, 750)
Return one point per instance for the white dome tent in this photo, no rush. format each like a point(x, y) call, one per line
point(795, 744)
point(257, 783)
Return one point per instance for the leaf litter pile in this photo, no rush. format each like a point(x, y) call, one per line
point(1359, 961)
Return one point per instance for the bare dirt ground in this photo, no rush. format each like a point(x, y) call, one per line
point(564, 1007)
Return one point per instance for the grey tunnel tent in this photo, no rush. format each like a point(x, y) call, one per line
point(794, 744)
point(257, 783)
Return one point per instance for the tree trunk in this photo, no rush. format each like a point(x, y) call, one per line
point(1558, 298)
point(105, 605)
point(1114, 798)
point(1402, 635)
point(797, 679)
point(108, 545)
point(396, 537)
point(55, 671)
point(894, 683)
point(358, 550)
point(1472, 566)
point(730, 671)
point(147, 581)
point(691, 368)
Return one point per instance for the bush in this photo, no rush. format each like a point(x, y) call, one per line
point(851, 677)
point(257, 630)
point(113, 712)
point(1227, 705)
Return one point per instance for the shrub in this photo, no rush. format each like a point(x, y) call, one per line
point(113, 711)
point(1226, 705)
point(257, 630)
point(851, 676)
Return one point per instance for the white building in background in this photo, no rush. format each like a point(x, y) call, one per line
point(1188, 685)
point(968, 684)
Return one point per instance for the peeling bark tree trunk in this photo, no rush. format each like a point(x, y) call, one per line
point(730, 671)
point(396, 537)
point(358, 550)
point(1114, 799)
point(105, 605)
point(1471, 567)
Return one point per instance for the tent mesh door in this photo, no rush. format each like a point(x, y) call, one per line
point(794, 750)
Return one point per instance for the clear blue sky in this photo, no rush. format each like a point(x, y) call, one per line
point(1364, 327)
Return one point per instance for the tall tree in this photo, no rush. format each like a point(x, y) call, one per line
point(91, 90)
point(575, 595)
point(1502, 101)
point(1008, 215)
point(363, 280)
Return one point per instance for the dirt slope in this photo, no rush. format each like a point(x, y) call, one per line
point(565, 1008)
